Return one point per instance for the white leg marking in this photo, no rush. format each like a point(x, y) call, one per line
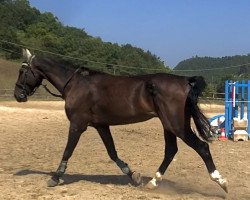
point(158, 176)
point(154, 181)
point(215, 176)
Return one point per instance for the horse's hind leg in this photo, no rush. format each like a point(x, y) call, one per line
point(202, 149)
point(107, 139)
point(75, 132)
point(170, 115)
point(170, 151)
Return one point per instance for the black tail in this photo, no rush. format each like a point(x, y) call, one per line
point(198, 84)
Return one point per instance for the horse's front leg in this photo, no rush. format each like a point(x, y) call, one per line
point(75, 132)
point(107, 139)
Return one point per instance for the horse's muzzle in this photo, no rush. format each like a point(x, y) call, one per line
point(21, 97)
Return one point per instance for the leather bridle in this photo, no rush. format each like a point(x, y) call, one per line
point(23, 87)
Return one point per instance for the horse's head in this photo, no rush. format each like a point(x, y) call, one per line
point(28, 80)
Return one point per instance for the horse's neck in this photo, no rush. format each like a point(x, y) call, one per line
point(56, 76)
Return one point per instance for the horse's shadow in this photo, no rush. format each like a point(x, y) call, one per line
point(72, 178)
point(166, 185)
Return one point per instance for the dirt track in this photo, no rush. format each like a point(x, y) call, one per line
point(34, 134)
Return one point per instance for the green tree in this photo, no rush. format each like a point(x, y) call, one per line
point(44, 31)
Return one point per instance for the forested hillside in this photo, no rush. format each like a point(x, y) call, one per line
point(238, 67)
point(216, 70)
point(22, 24)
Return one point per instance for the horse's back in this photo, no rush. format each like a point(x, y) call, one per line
point(136, 89)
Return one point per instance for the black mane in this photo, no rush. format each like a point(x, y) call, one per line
point(66, 65)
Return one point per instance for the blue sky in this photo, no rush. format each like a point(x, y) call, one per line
point(174, 30)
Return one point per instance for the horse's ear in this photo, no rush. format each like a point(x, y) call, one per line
point(27, 55)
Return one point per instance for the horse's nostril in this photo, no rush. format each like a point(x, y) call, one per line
point(22, 96)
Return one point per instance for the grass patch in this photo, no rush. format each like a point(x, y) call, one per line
point(8, 73)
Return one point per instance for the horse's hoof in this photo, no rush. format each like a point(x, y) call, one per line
point(224, 186)
point(136, 178)
point(151, 185)
point(52, 182)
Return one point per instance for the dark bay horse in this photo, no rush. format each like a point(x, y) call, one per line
point(101, 100)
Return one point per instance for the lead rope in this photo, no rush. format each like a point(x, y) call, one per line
point(67, 82)
point(53, 94)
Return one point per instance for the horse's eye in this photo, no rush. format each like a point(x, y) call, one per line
point(22, 71)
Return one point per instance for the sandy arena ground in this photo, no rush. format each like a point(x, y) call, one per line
point(34, 134)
